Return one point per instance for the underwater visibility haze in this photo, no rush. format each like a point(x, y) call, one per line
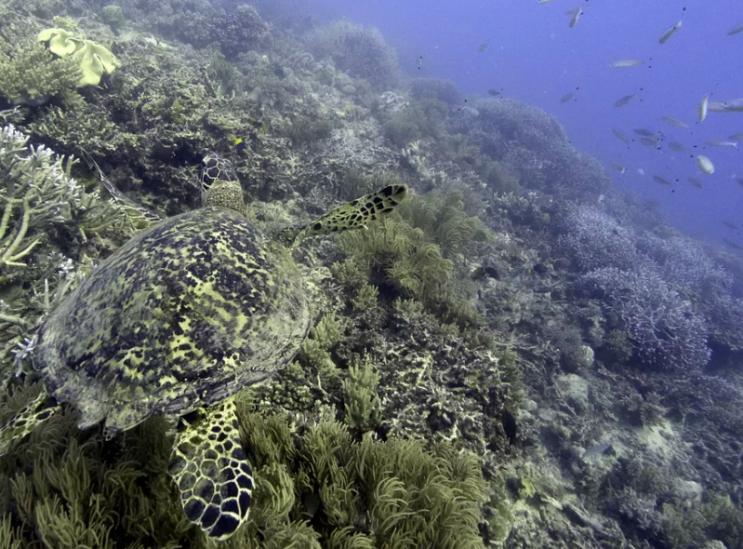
point(333, 274)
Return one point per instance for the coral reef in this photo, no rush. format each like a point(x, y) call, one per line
point(361, 52)
point(517, 307)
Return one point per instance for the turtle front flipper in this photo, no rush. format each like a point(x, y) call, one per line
point(355, 214)
point(20, 424)
point(212, 471)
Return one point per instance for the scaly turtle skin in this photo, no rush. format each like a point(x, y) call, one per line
point(177, 321)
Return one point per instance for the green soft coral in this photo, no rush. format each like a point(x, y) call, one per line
point(93, 59)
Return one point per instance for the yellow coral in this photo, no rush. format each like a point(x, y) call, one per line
point(93, 58)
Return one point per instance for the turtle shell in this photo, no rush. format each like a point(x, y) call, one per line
point(183, 315)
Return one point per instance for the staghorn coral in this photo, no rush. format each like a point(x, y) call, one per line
point(663, 327)
point(361, 52)
point(37, 190)
point(594, 239)
point(29, 75)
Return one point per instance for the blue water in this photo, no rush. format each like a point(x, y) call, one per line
point(534, 56)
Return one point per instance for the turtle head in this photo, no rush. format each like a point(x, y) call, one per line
point(220, 186)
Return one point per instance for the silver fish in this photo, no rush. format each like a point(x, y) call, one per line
point(673, 121)
point(626, 63)
point(676, 146)
point(619, 135)
point(660, 180)
point(705, 164)
point(703, 107)
point(624, 100)
point(721, 143)
point(695, 183)
point(670, 32)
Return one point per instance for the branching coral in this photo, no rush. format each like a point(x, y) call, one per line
point(37, 191)
point(31, 76)
point(663, 327)
point(595, 240)
point(37, 186)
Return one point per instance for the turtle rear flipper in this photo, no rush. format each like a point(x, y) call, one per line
point(212, 471)
point(20, 424)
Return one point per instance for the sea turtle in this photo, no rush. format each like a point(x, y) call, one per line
point(175, 322)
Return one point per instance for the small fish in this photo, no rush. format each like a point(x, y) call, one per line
point(715, 106)
point(619, 135)
point(660, 180)
point(626, 63)
point(640, 171)
point(567, 97)
point(649, 141)
point(721, 143)
point(703, 106)
point(481, 47)
point(734, 105)
point(695, 183)
point(736, 29)
point(543, 1)
point(643, 132)
point(624, 100)
point(673, 121)
point(470, 110)
point(705, 165)
point(494, 92)
point(240, 145)
point(737, 137)
point(670, 32)
point(739, 181)
point(732, 244)
point(575, 16)
point(729, 224)
point(618, 167)
point(676, 146)
point(597, 450)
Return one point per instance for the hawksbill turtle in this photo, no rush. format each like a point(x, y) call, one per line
point(175, 322)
